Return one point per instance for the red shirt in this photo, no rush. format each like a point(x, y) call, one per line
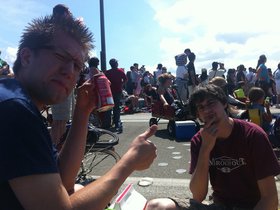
point(237, 163)
point(117, 78)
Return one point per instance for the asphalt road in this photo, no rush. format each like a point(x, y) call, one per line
point(169, 172)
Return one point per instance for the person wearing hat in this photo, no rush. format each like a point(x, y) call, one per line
point(117, 78)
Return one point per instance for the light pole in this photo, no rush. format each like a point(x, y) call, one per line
point(103, 45)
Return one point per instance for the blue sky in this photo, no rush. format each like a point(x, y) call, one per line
point(154, 31)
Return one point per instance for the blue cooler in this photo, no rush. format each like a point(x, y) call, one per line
point(141, 103)
point(185, 130)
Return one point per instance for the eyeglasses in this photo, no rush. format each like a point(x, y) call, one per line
point(209, 104)
point(64, 56)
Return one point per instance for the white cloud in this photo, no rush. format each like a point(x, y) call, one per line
point(26, 10)
point(232, 32)
point(92, 53)
point(9, 55)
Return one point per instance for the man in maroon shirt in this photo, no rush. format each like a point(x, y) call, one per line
point(117, 78)
point(235, 155)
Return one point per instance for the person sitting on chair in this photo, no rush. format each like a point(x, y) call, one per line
point(150, 94)
point(257, 100)
point(164, 92)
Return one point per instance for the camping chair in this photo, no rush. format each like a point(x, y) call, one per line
point(255, 116)
point(240, 95)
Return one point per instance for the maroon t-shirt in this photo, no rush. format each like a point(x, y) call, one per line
point(117, 78)
point(236, 164)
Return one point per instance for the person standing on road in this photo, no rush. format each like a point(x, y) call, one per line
point(192, 80)
point(158, 72)
point(251, 79)
point(234, 154)
point(262, 74)
point(93, 64)
point(117, 78)
point(33, 175)
point(182, 74)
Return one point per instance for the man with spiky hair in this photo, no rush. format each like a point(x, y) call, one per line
point(62, 112)
point(33, 175)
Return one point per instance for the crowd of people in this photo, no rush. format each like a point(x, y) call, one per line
point(233, 154)
point(237, 84)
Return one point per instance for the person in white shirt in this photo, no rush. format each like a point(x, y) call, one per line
point(182, 75)
point(215, 72)
point(251, 79)
point(158, 71)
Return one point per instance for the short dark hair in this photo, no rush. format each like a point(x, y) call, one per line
point(231, 71)
point(191, 56)
point(215, 65)
point(41, 32)
point(187, 50)
point(206, 92)
point(113, 63)
point(93, 62)
point(159, 66)
point(255, 94)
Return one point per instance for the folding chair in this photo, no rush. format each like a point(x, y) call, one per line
point(240, 95)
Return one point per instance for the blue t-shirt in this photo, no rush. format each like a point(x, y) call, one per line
point(26, 146)
point(264, 74)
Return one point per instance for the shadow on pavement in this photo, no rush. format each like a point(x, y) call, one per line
point(164, 135)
